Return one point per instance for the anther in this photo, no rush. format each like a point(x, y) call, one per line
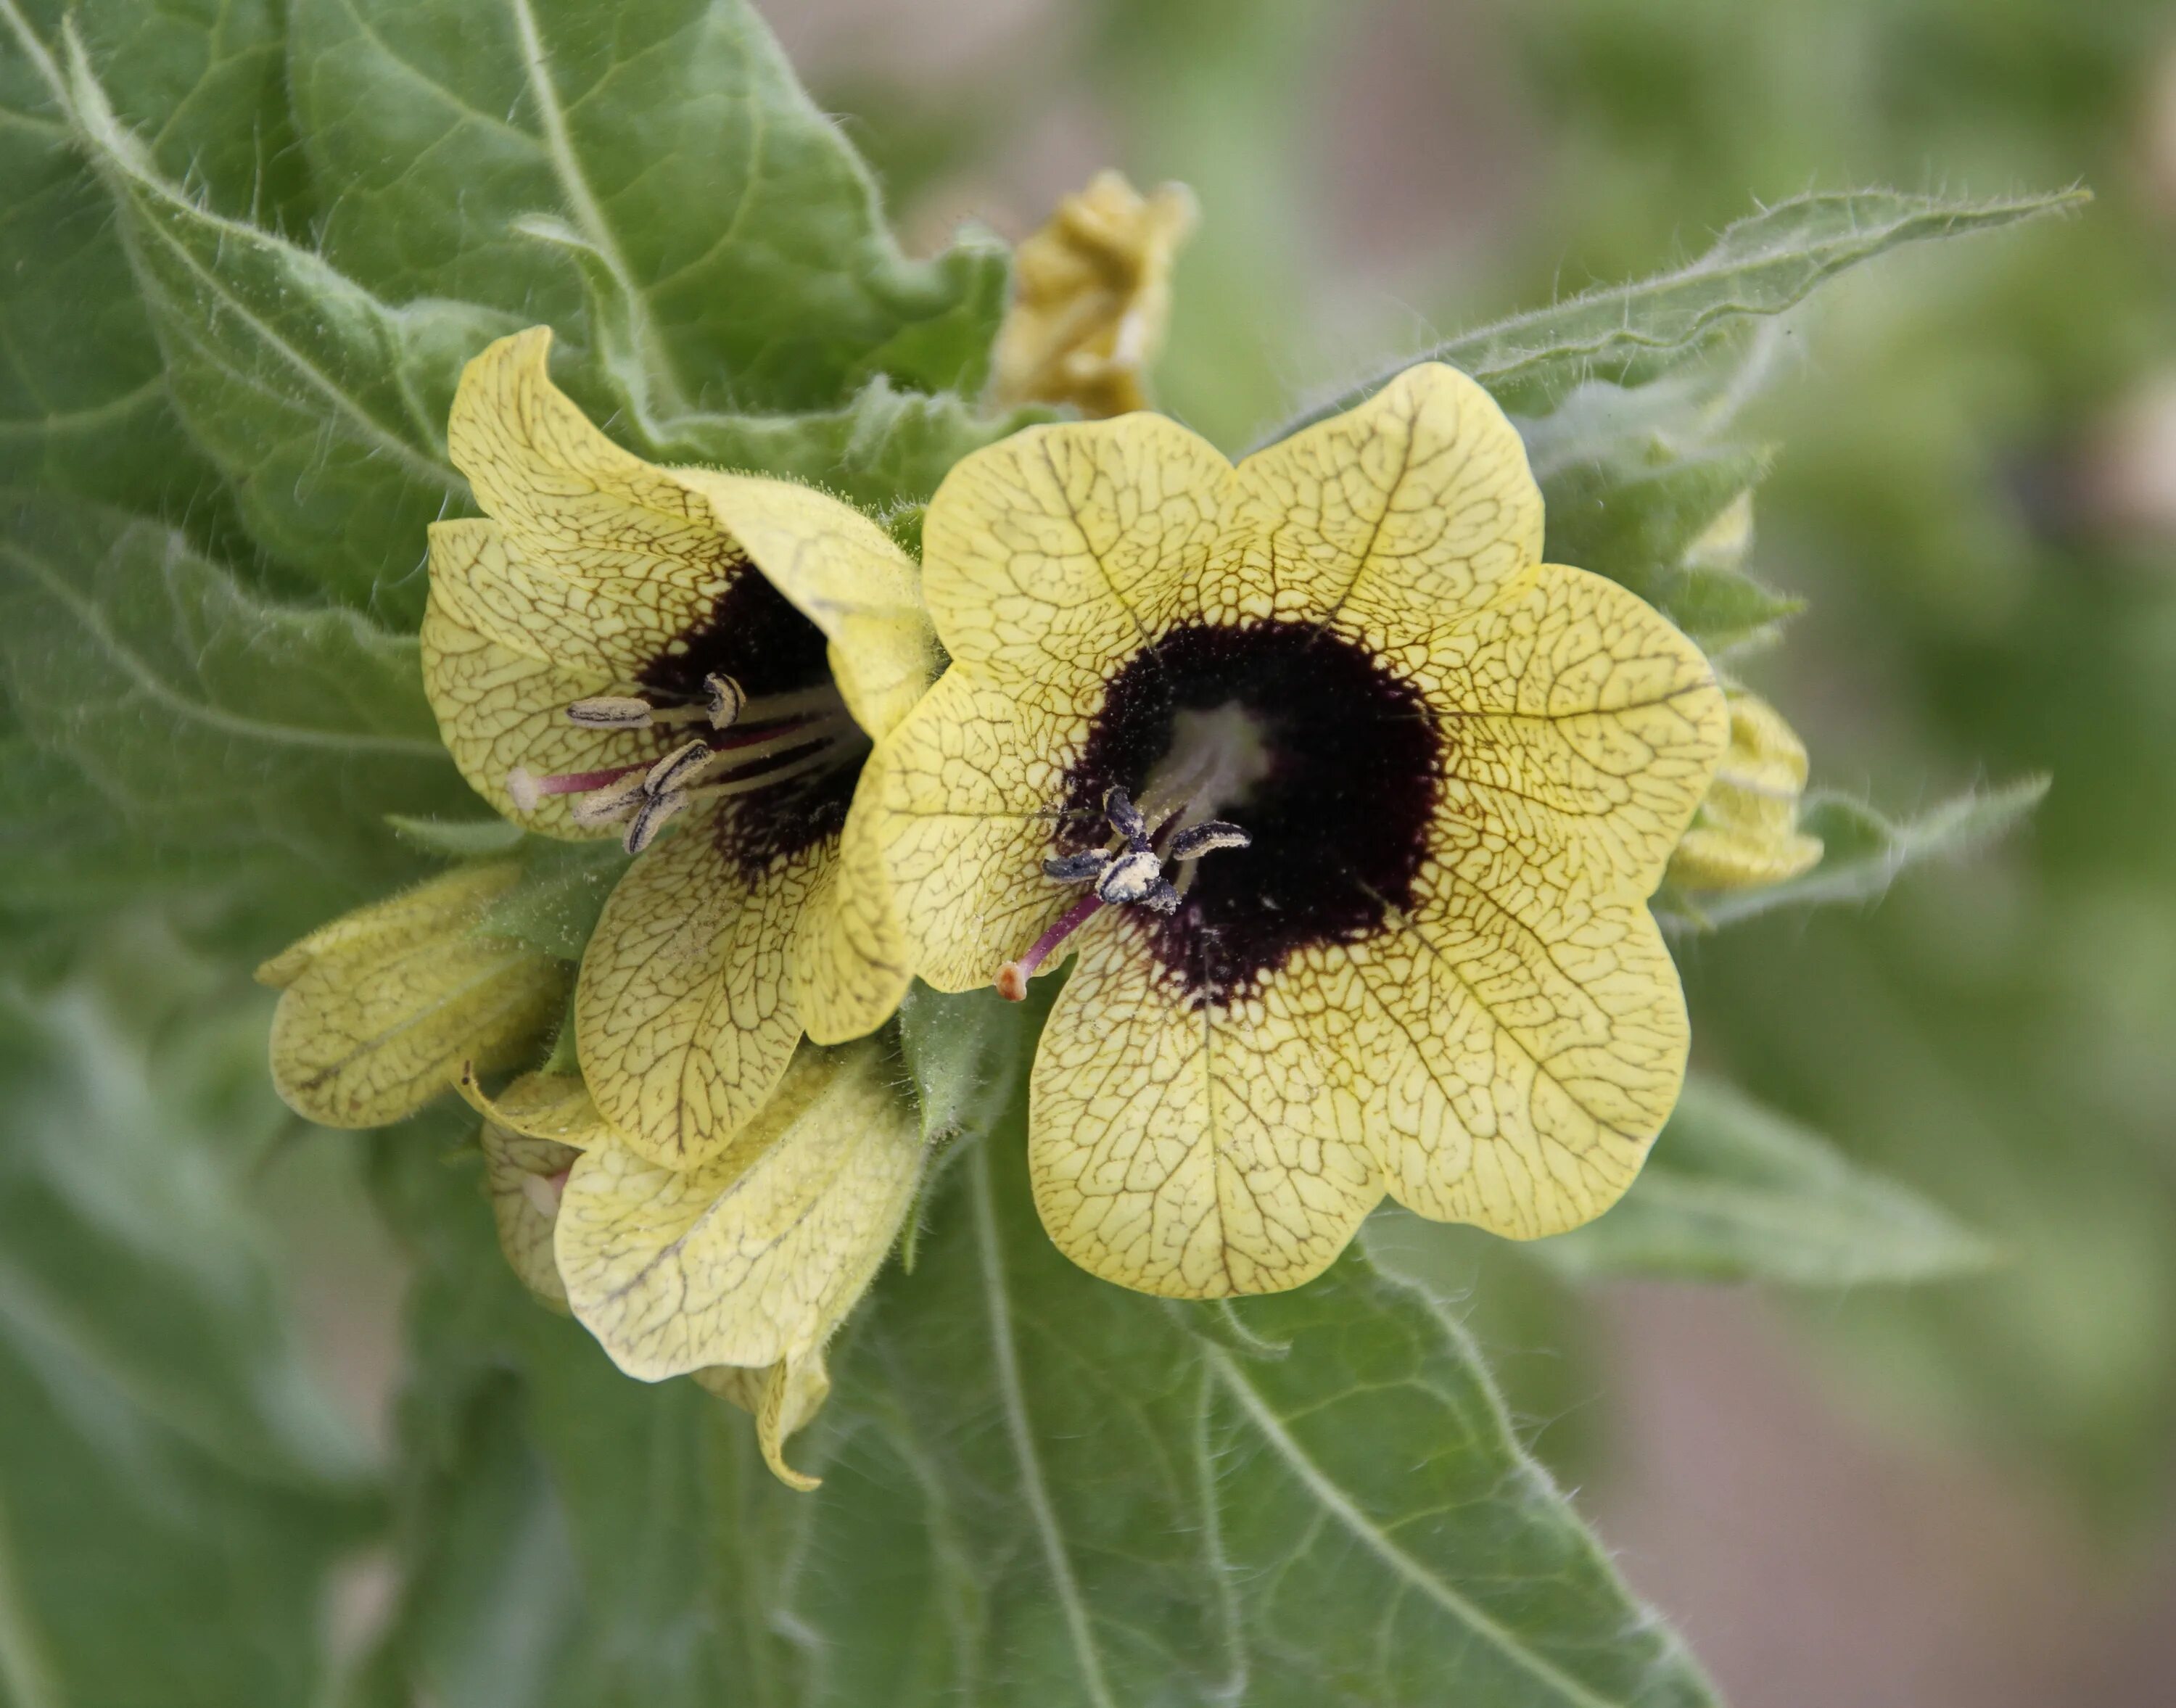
point(522, 789)
point(1207, 838)
point(727, 700)
point(1130, 877)
point(678, 766)
point(655, 812)
point(607, 805)
point(610, 711)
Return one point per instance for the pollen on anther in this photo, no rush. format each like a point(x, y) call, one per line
point(523, 790)
point(676, 767)
point(610, 711)
point(727, 699)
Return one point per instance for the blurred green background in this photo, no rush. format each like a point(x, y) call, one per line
point(1953, 1495)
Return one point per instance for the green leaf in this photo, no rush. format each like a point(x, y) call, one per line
point(1038, 1488)
point(562, 888)
point(1762, 265)
point(166, 1460)
point(324, 407)
point(1736, 1191)
point(458, 839)
point(82, 399)
point(885, 450)
point(212, 724)
point(1863, 852)
point(1635, 515)
point(668, 142)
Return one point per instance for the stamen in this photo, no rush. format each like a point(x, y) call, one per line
point(727, 700)
point(1012, 976)
point(610, 711)
point(655, 811)
point(522, 789)
point(607, 805)
point(824, 757)
point(1206, 839)
point(678, 766)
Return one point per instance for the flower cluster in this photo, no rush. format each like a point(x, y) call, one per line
point(1342, 806)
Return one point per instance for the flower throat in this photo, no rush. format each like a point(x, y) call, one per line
point(768, 735)
point(1328, 763)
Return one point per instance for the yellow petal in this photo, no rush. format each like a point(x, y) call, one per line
point(1091, 298)
point(1194, 1152)
point(782, 1399)
point(755, 1255)
point(846, 575)
point(1397, 515)
point(958, 800)
point(500, 709)
point(445, 905)
point(605, 558)
point(1580, 724)
point(684, 1016)
point(1528, 1041)
point(852, 963)
point(525, 1178)
point(553, 1108)
point(1746, 833)
point(1051, 555)
point(380, 1009)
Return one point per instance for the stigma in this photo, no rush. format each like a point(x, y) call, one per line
point(1131, 875)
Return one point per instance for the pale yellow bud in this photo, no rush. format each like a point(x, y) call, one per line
point(1746, 832)
point(1091, 298)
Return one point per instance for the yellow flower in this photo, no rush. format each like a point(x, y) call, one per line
point(379, 1007)
point(1746, 833)
point(736, 1273)
point(739, 1271)
point(532, 1135)
point(1091, 294)
point(1349, 806)
point(624, 650)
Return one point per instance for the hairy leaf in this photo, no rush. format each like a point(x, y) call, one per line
point(562, 888)
point(1037, 1487)
point(1764, 264)
point(1863, 852)
point(211, 723)
point(1736, 1191)
point(1634, 517)
point(83, 401)
point(323, 407)
point(165, 1459)
point(668, 142)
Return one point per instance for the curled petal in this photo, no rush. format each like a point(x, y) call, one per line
point(379, 1009)
point(605, 558)
point(846, 575)
point(756, 1254)
point(782, 1399)
point(553, 1108)
point(525, 1178)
